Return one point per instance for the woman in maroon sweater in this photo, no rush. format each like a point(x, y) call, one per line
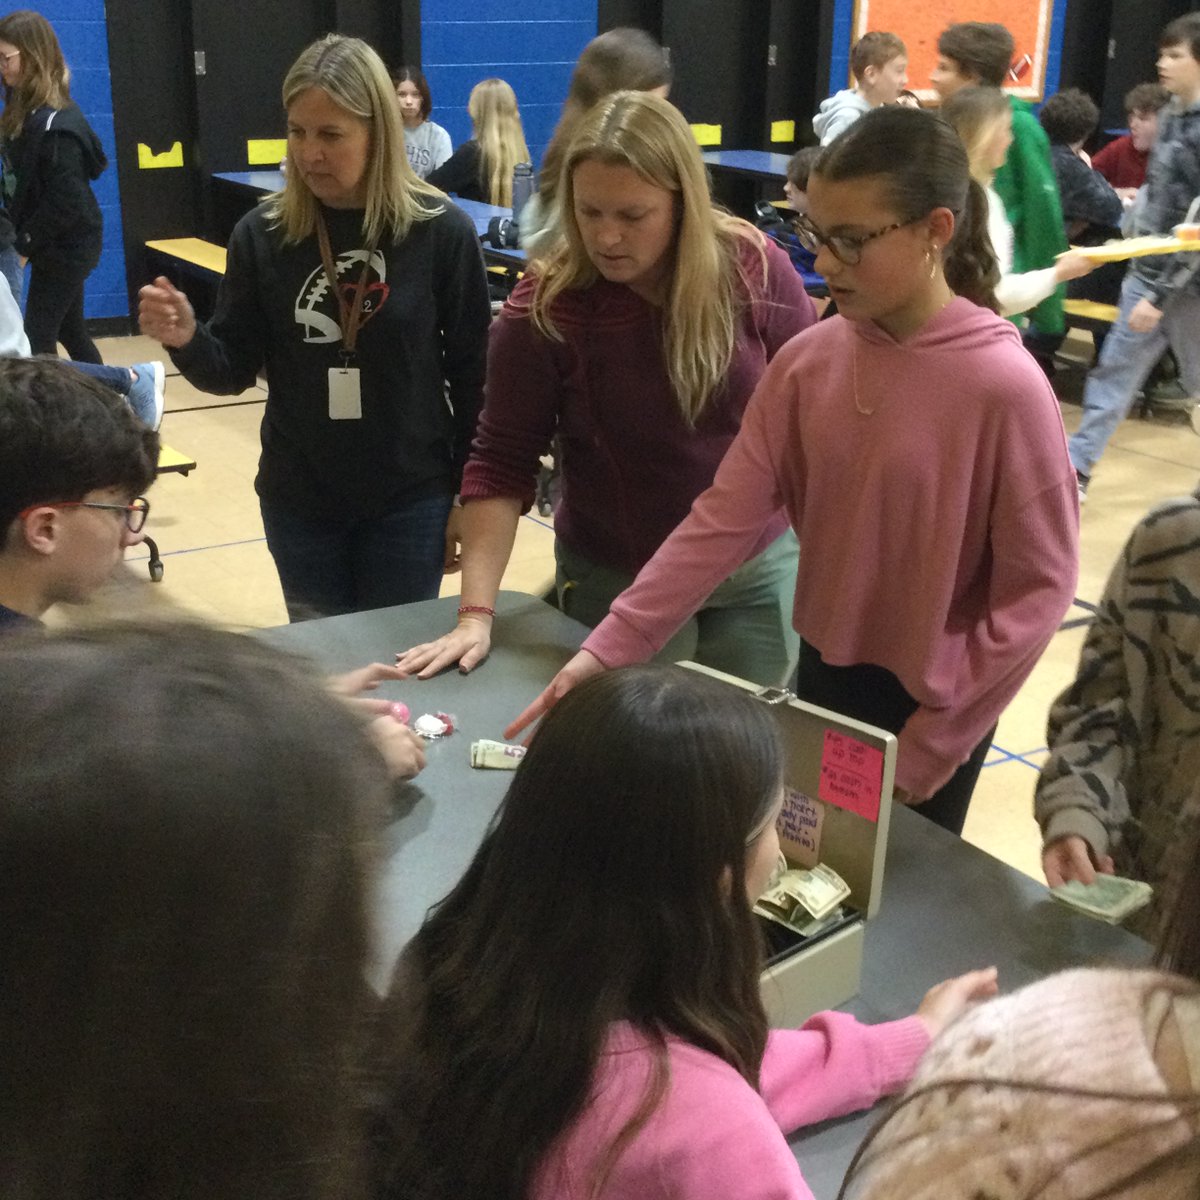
point(638, 344)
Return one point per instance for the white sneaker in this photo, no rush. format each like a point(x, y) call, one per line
point(147, 395)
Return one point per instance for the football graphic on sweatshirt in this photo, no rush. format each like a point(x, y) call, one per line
point(316, 305)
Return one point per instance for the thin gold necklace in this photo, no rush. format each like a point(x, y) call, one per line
point(866, 412)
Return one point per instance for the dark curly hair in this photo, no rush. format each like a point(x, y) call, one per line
point(1069, 116)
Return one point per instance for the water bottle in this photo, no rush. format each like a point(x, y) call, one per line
point(522, 187)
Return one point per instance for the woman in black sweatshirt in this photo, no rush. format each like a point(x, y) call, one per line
point(51, 155)
point(374, 383)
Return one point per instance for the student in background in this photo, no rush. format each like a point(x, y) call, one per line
point(1081, 1086)
point(583, 1009)
point(924, 604)
point(1124, 160)
point(908, 98)
point(1160, 298)
point(979, 53)
point(617, 61)
point(51, 156)
point(639, 341)
point(482, 168)
point(362, 453)
point(879, 63)
point(183, 920)
point(982, 117)
point(779, 229)
point(1092, 210)
point(426, 143)
point(1118, 791)
point(74, 464)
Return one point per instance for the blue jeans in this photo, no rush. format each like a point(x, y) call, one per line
point(120, 379)
point(11, 269)
point(1125, 362)
point(328, 567)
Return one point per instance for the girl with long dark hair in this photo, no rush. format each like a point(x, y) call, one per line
point(580, 1018)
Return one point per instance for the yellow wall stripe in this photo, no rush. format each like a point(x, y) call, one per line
point(149, 161)
point(265, 152)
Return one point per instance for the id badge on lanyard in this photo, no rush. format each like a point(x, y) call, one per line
point(345, 383)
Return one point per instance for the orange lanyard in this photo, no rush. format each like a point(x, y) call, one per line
point(350, 315)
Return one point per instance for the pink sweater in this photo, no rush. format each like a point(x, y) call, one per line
point(713, 1137)
point(631, 466)
point(938, 536)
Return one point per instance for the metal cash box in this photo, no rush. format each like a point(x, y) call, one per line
point(838, 776)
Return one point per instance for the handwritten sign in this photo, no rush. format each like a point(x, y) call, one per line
point(851, 774)
point(799, 828)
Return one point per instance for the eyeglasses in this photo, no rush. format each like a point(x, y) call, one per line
point(136, 511)
point(847, 248)
point(5, 59)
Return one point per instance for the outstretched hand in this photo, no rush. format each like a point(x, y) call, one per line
point(950, 999)
point(583, 666)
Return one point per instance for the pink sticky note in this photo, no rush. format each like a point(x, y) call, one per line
point(851, 774)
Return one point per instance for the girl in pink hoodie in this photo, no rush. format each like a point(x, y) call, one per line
point(919, 454)
point(580, 1018)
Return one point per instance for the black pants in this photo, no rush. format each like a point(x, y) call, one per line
point(54, 310)
point(874, 695)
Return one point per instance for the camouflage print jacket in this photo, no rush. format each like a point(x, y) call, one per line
point(1124, 738)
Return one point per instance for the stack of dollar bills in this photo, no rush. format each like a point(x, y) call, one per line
point(1111, 898)
point(802, 900)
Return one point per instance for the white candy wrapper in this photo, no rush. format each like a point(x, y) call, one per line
point(498, 756)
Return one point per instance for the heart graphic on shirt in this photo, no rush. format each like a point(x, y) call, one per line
point(371, 298)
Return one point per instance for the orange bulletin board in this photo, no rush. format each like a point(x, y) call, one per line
point(918, 26)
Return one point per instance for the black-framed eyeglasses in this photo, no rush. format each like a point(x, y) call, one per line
point(136, 511)
point(847, 248)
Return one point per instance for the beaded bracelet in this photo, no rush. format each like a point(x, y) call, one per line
point(476, 608)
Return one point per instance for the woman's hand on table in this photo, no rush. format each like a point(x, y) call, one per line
point(949, 1000)
point(165, 314)
point(583, 666)
point(467, 644)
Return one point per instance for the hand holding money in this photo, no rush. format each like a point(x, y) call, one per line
point(1111, 898)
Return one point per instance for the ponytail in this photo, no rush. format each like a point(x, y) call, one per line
point(970, 261)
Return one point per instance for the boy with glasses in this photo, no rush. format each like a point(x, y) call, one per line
point(74, 462)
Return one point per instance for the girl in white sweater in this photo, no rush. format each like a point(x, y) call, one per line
point(982, 116)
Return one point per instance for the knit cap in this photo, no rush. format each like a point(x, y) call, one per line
point(959, 1133)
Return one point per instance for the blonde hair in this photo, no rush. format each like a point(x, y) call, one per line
point(708, 286)
point(354, 77)
point(974, 112)
point(492, 107)
point(43, 78)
